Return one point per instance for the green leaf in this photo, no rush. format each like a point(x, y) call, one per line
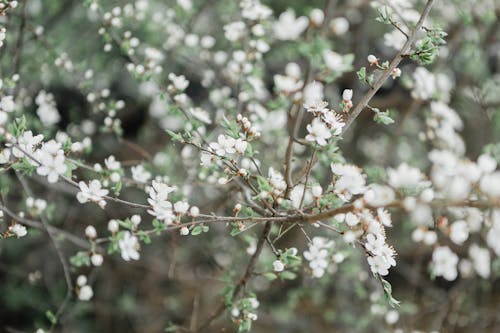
point(197, 230)
point(51, 317)
point(270, 276)
point(81, 258)
point(362, 74)
point(143, 236)
point(382, 117)
point(388, 293)
point(287, 275)
point(175, 136)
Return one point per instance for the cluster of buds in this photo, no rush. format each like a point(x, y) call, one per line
point(246, 125)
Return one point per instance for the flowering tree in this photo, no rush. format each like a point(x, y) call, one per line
point(262, 163)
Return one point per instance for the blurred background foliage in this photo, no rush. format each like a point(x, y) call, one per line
point(150, 294)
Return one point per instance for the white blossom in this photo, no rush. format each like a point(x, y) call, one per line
point(289, 27)
point(129, 246)
point(445, 263)
point(92, 192)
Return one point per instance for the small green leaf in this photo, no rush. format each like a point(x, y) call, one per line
point(51, 317)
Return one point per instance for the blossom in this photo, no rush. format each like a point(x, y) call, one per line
point(7, 104)
point(181, 207)
point(480, 260)
point(490, 185)
point(334, 61)
point(379, 195)
point(158, 199)
point(111, 163)
point(52, 161)
point(287, 84)
point(445, 262)
point(334, 121)
point(179, 82)
point(92, 192)
point(278, 266)
point(47, 111)
point(234, 31)
point(404, 176)
point(19, 230)
point(85, 293)
point(288, 27)
point(129, 246)
point(459, 232)
point(139, 174)
point(378, 265)
point(27, 143)
point(347, 95)
point(225, 144)
point(318, 132)
point(317, 255)
point(350, 180)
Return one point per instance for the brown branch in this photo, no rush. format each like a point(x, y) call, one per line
point(243, 280)
point(360, 106)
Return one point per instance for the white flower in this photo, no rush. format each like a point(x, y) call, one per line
point(318, 132)
point(129, 246)
point(276, 180)
point(445, 263)
point(85, 293)
point(374, 244)
point(490, 184)
point(278, 266)
point(404, 176)
point(234, 31)
point(424, 84)
point(4, 156)
point(19, 230)
point(181, 207)
point(113, 226)
point(111, 163)
point(378, 265)
point(339, 25)
point(240, 146)
point(333, 61)
point(351, 219)
point(317, 16)
point(139, 174)
point(287, 84)
point(254, 10)
point(7, 104)
point(316, 106)
point(350, 180)
point(384, 217)
point(297, 193)
point(96, 259)
point(334, 121)
point(90, 232)
point(179, 82)
point(158, 199)
point(316, 191)
point(225, 144)
point(494, 233)
point(347, 95)
point(459, 232)
point(47, 111)
point(317, 255)
point(480, 260)
point(486, 163)
point(52, 161)
point(288, 27)
point(27, 143)
point(184, 231)
point(92, 192)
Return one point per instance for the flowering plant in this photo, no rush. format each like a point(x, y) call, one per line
point(254, 162)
